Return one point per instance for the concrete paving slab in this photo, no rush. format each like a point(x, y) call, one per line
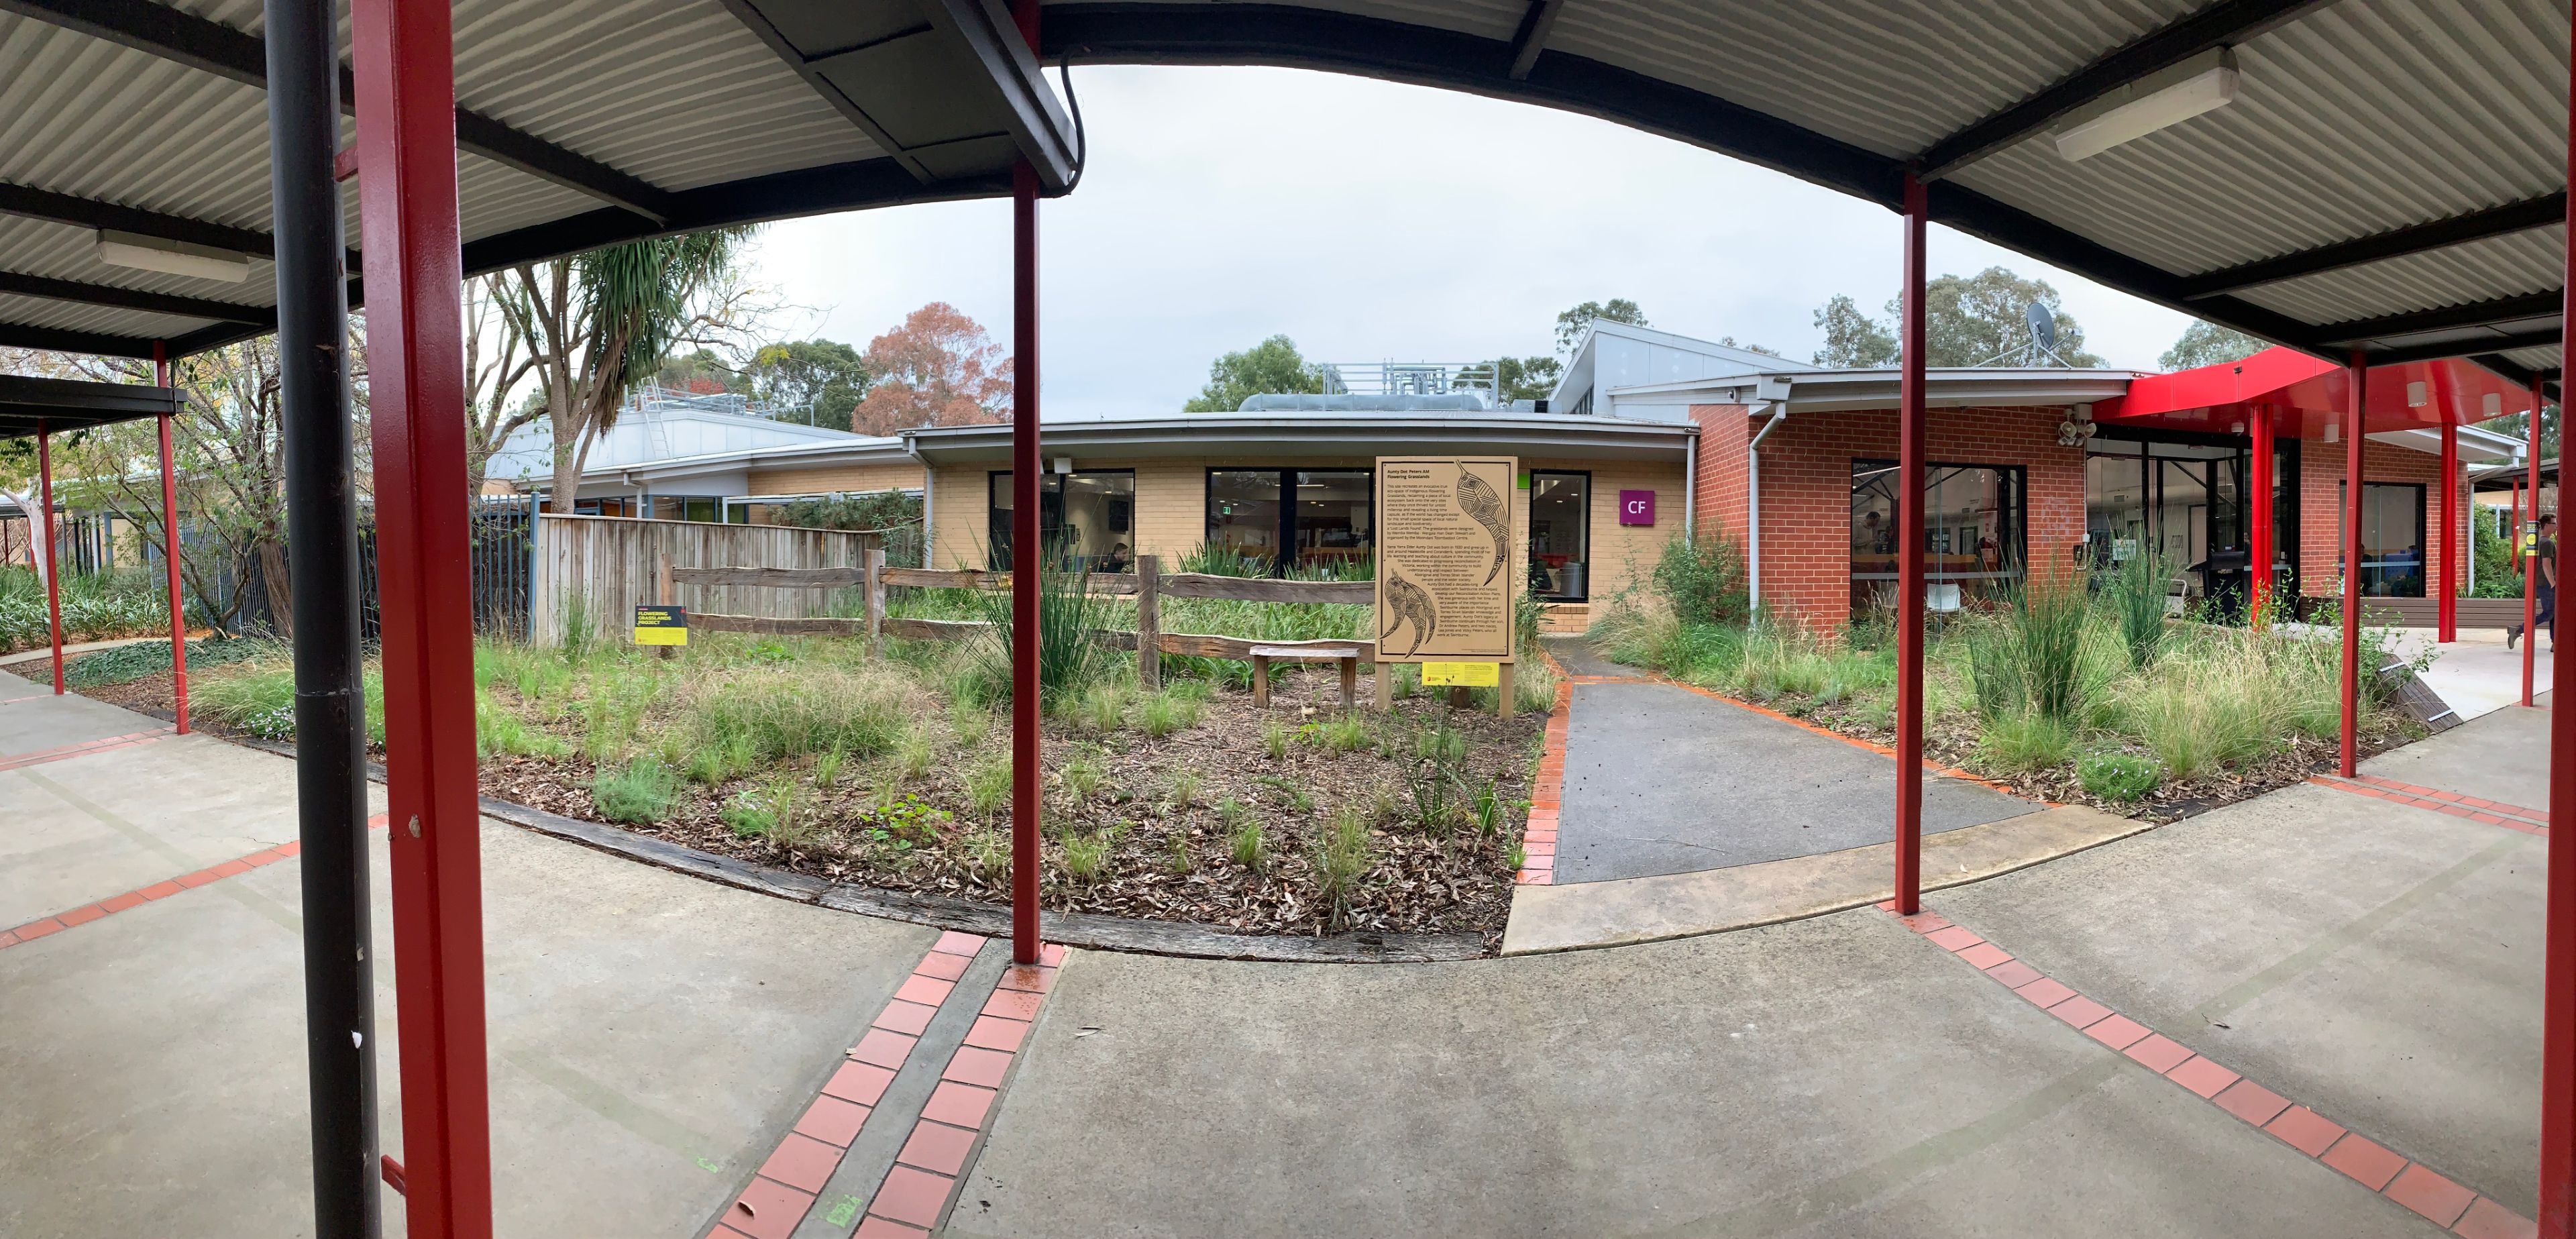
point(2377, 963)
point(1660, 781)
point(84, 828)
point(2502, 755)
point(1632, 910)
point(2476, 675)
point(1829, 1076)
point(652, 1036)
point(43, 721)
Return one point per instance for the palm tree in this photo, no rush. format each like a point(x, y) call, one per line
point(600, 323)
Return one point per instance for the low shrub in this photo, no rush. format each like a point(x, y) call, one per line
point(128, 663)
point(1702, 579)
point(2118, 777)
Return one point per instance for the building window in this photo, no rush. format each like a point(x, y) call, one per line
point(1973, 518)
point(1244, 513)
point(2392, 538)
point(1560, 532)
point(1308, 520)
point(1087, 518)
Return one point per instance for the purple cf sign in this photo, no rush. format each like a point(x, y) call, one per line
point(1636, 507)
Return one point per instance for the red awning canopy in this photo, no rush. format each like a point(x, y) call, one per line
point(2303, 394)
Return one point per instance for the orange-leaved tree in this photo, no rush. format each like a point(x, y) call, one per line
point(938, 369)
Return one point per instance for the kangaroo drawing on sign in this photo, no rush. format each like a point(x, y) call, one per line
point(1409, 602)
point(1482, 505)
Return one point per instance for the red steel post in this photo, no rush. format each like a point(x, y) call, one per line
point(2446, 627)
point(170, 551)
point(2531, 518)
point(1909, 564)
point(2358, 381)
point(404, 61)
point(53, 548)
point(2558, 960)
point(1028, 549)
point(2259, 542)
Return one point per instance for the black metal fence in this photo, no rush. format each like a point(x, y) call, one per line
point(501, 534)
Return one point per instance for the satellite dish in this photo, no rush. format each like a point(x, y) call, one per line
point(2043, 326)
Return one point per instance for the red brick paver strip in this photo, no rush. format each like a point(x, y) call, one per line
point(2511, 817)
point(20, 761)
point(2416, 1186)
point(1547, 793)
point(914, 1196)
point(84, 914)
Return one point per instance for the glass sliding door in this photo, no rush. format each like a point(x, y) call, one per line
point(1560, 516)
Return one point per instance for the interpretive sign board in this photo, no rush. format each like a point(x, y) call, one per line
point(1444, 558)
point(661, 626)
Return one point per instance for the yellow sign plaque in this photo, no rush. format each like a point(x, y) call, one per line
point(661, 626)
point(1448, 558)
point(1462, 675)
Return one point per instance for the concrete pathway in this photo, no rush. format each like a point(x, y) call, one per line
point(652, 1036)
point(2476, 674)
point(1661, 780)
point(2311, 1013)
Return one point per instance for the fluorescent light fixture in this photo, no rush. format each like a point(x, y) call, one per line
point(2166, 97)
point(142, 253)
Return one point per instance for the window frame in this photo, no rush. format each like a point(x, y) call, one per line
point(2015, 557)
point(1285, 533)
point(996, 547)
point(1529, 529)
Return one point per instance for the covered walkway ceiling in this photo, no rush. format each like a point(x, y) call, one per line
point(149, 121)
point(2390, 176)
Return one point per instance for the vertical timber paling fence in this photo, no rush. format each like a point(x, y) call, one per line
point(601, 567)
point(1148, 585)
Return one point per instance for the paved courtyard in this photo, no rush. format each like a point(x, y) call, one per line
point(2311, 1013)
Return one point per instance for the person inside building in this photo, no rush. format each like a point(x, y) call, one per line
point(2544, 588)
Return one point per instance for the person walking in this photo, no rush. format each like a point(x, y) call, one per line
point(2544, 587)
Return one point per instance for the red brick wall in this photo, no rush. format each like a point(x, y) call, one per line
point(1806, 490)
point(2321, 469)
point(1718, 498)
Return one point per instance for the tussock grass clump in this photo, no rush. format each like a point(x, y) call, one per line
point(1085, 857)
point(750, 716)
point(988, 783)
point(1342, 857)
point(642, 791)
point(2026, 741)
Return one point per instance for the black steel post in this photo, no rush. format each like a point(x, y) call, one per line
point(322, 565)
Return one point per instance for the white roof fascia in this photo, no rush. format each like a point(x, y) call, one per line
point(1830, 391)
point(2486, 447)
point(1323, 434)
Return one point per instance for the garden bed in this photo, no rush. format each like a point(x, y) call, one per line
point(2215, 716)
point(1186, 805)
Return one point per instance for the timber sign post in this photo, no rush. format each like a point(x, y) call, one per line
point(1444, 569)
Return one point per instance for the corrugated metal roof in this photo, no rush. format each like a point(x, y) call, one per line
point(1892, 76)
point(2479, 271)
point(2353, 119)
point(679, 95)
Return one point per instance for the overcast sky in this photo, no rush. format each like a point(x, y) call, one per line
point(1371, 221)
